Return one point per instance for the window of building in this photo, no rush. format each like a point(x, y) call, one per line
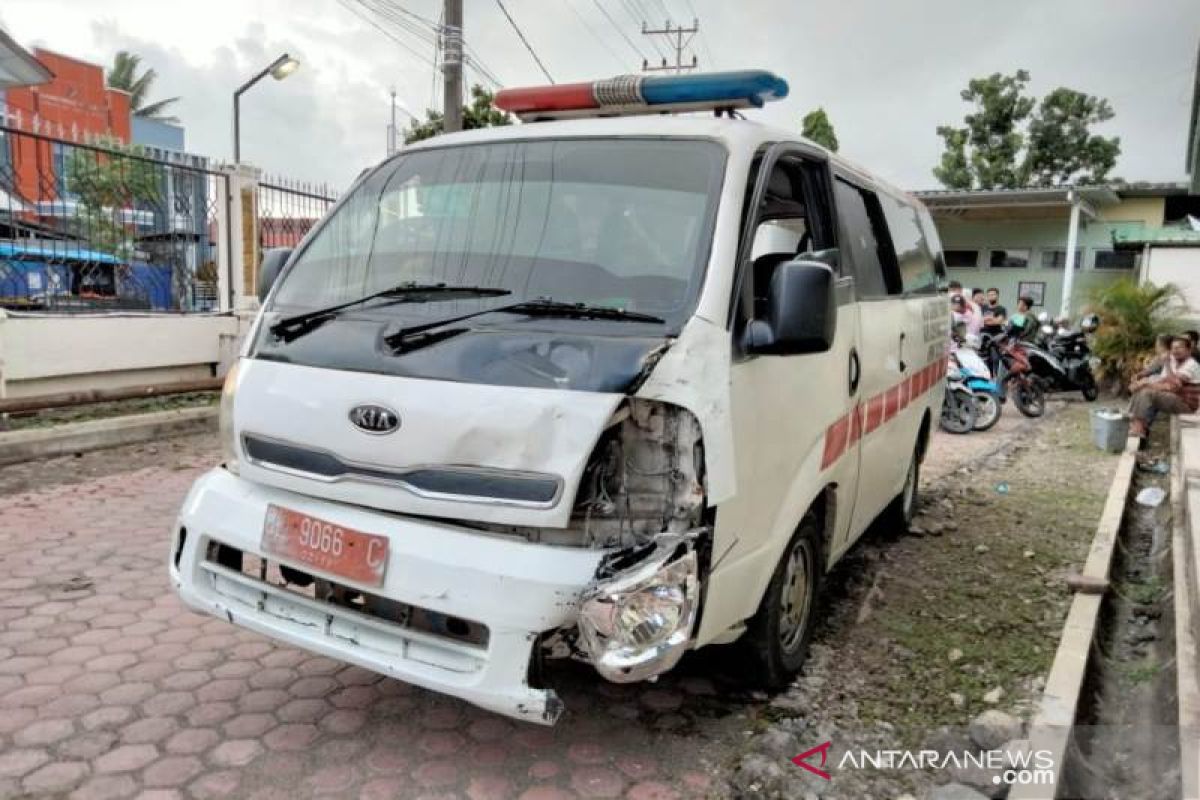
point(961, 259)
point(1008, 259)
point(1057, 259)
point(1116, 259)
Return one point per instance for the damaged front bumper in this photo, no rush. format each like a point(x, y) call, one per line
point(515, 589)
point(635, 608)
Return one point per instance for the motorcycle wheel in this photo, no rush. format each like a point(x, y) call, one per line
point(987, 411)
point(1029, 397)
point(1090, 390)
point(958, 412)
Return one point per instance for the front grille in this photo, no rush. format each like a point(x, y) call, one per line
point(392, 612)
point(471, 484)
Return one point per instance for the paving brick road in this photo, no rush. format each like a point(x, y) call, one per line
point(109, 688)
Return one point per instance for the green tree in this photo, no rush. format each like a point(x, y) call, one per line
point(124, 75)
point(989, 143)
point(480, 113)
point(1009, 139)
point(816, 127)
point(1062, 149)
point(1132, 314)
point(105, 182)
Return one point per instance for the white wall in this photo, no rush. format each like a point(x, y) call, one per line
point(1180, 266)
point(39, 355)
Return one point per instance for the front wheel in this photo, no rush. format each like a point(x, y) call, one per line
point(777, 636)
point(987, 411)
point(958, 411)
point(1029, 397)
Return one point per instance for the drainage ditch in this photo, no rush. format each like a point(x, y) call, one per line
point(1125, 743)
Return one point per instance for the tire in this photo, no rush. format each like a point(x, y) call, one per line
point(1029, 397)
point(777, 635)
point(958, 412)
point(899, 514)
point(987, 411)
point(1090, 390)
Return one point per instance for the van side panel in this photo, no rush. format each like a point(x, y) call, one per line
point(791, 418)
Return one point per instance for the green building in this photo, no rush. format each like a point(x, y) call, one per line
point(1016, 240)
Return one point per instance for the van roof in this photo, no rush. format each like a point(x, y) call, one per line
point(736, 134)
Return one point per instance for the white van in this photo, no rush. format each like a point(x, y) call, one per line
point(609, 388)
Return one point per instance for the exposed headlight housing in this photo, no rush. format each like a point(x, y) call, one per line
point(637, 622)
point(229, 453)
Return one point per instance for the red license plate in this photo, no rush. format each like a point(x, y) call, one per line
point(335, 549)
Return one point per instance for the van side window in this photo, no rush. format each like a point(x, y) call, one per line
point(865, 242)
point(792, 222)
point(914, 256)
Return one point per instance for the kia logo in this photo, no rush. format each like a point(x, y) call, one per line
point(374, 419)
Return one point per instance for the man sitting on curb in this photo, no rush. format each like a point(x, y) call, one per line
point(1174, 390)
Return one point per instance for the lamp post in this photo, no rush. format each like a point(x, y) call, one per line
point(279, 69)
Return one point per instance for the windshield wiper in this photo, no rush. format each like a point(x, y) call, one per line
point(415, 336)
point(299, 324)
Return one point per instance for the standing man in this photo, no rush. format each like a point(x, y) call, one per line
point(996, 314)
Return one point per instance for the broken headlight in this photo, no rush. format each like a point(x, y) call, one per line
point(636, 622)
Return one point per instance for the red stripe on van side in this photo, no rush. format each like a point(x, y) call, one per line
point(892, 403)
point(836, 436)
point(874, 413)
point(869, 415)
point(856, 423)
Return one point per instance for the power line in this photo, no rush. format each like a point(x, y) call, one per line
point(634, 9)
point(617, 27)
point(524, 41)
point(595, 35)
point(363, 16)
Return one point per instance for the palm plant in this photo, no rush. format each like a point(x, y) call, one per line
point(124, 75)
point(1132, 314)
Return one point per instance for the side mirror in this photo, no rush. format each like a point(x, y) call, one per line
point(268, 271)
point(801, 314)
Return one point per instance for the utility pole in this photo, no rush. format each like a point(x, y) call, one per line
point(452, 40)
point(677, 32)
point(392, 137)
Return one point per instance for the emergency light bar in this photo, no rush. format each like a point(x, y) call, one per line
point(638, 94)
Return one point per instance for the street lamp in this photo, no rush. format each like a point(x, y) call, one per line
point(279, 69)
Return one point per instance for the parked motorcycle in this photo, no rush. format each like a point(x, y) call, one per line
point(1062, 361)
point(1008, 358)
point(958, 405)
point(978, 378)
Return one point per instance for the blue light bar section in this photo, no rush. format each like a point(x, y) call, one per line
point(754, 86)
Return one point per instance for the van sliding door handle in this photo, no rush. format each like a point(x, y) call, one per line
point(903, 366)
point(855, 371)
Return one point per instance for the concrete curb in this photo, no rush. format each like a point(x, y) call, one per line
point(78, 437)
point(1185, 550)
point(1054, 721)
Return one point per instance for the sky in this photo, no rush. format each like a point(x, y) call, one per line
point(887, 72)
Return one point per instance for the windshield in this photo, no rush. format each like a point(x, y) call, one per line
point(621, 223)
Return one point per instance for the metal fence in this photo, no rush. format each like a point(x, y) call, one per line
point(97, 226)
point(287, 210)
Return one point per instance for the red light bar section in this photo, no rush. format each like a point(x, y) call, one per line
point(560, 97)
